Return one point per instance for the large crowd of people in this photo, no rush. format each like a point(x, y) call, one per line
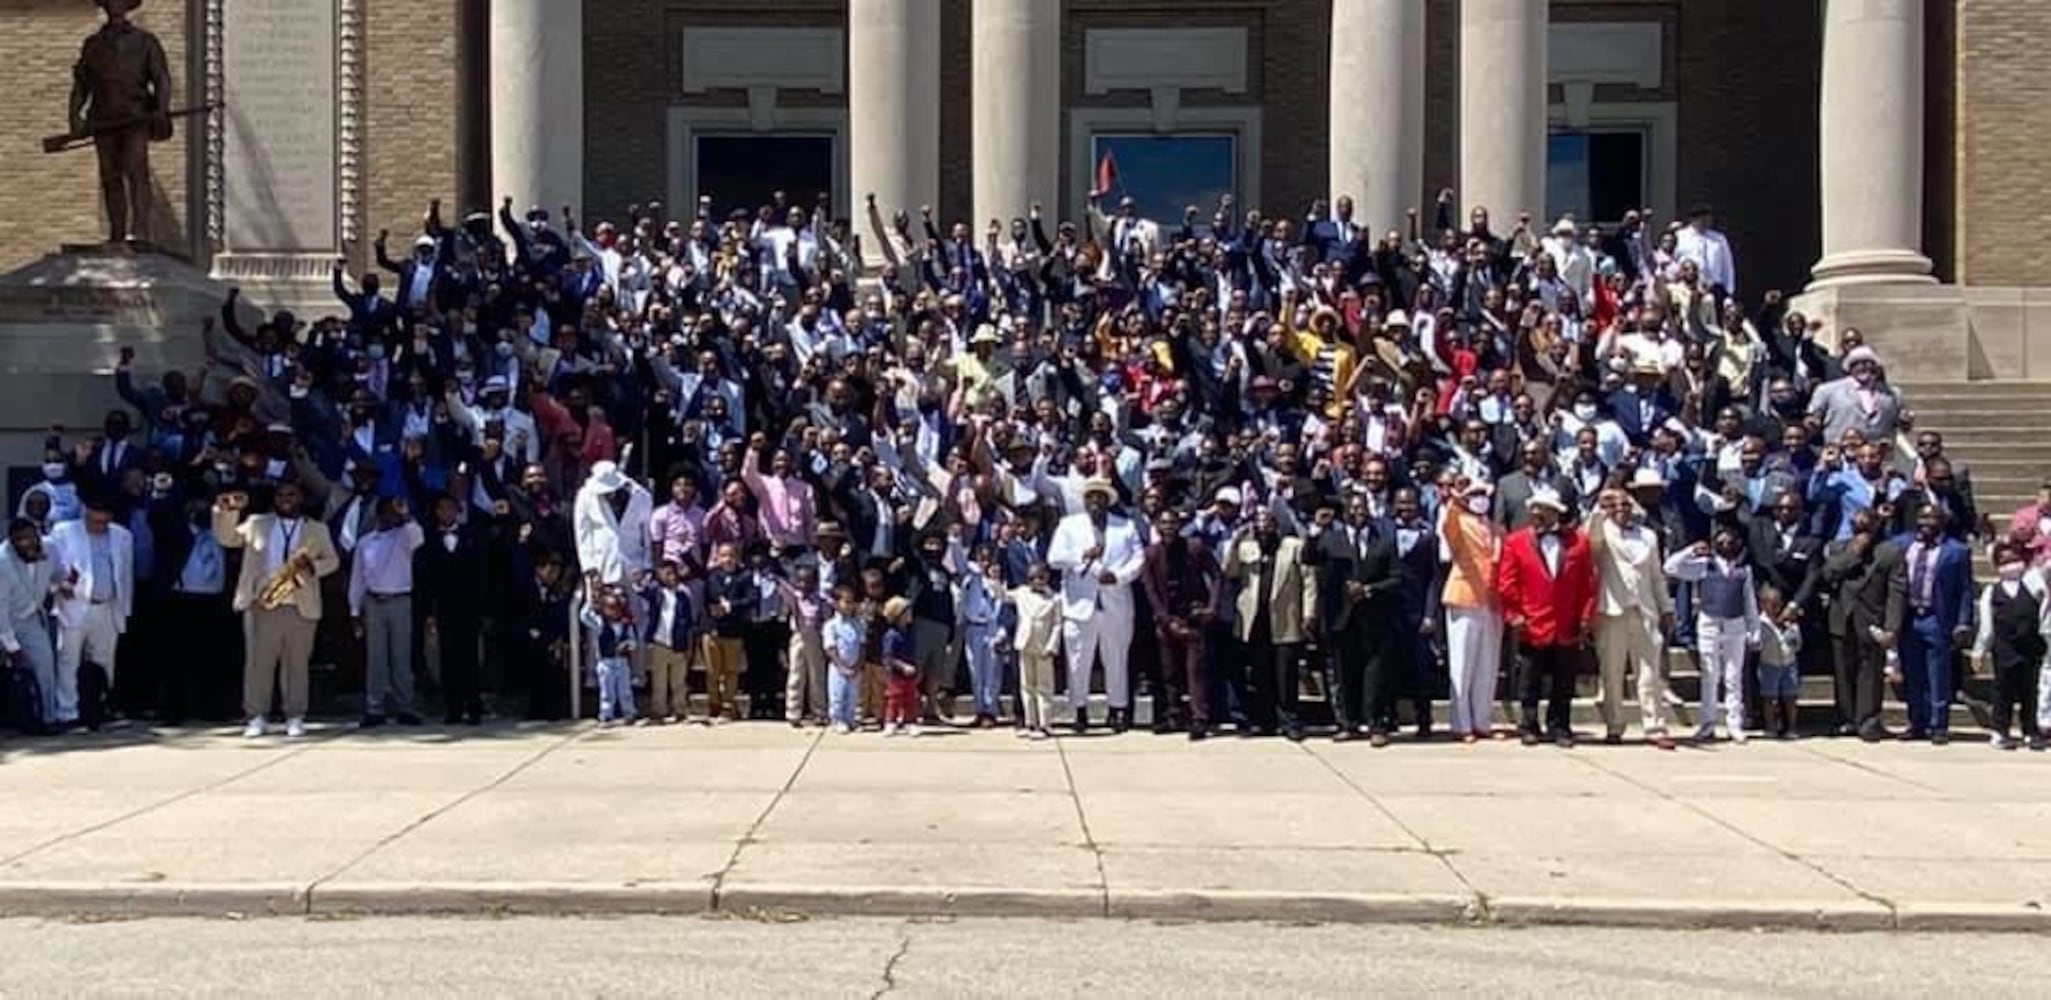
point(1283, 474)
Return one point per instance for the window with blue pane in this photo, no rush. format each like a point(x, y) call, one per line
point(1164, 174)
point(1595, 176)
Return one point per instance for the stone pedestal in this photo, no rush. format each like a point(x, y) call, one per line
point(1922, 332)
point(63, 322)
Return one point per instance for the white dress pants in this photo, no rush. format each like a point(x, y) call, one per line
point(92, 641)
point(1474, 645)
point(1721, 642)
point(1106, 633)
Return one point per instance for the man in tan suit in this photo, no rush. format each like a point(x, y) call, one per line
point(281, 638)
point(1633, 614)
point(1277, 609)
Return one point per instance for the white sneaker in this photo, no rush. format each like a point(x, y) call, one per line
point(1738, 735)
point(254, 729)
point(841, 729)
point(295, 728)
point(891, 729)
point(2000, 741)
point(913, 730)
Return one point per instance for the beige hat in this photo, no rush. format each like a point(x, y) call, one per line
point(896, 608)
point(1099, 484)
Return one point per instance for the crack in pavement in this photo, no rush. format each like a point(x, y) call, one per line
point(1082, 819)
point(1445, 857)
point(273, 761)
point(443, 810)
point(904, 945)
point(748, 837)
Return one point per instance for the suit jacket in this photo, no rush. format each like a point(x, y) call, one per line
point(450, 585)
point(1952, 593)
point(71, 552)
point(1836, 404)
point(1625, 407)
point(1418, 576)
point(1513, 495)
point(1082, 596)
point(1872, 588)
point(1628, 584)
point(255, 535)
point(108, 463)
point(1157, 583)
point(1548, 610)
point(1795, 571)
point(1340, 562)
point(1291, 588)
point(615, 546)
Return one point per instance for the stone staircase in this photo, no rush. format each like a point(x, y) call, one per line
point(1999, 430)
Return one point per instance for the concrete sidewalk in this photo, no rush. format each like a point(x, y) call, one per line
point(765, 820)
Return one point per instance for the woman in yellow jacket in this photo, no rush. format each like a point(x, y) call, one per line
point(1469, 543)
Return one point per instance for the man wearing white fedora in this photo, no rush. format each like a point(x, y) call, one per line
point(1099, 555)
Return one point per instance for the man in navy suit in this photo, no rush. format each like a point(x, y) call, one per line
point(1939, 619)
point(369, 312)
point(1644, 404)
point(111, 457)
point(1415, 605)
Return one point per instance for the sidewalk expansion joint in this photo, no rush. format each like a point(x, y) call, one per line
point(1082, 820)
point(718, 889)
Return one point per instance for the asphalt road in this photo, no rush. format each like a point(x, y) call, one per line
point(984, 958)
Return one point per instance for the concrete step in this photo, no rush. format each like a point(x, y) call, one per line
point(1987, 388)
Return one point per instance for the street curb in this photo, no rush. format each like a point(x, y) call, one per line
point(529, 898)
point(122, 900)
point(1668, 913)
point(1310, 907)
point(765, 898)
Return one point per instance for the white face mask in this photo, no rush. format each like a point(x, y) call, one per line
point(2011, 570)
point(1584, 412)
point(1478, 505)
point(53, 470)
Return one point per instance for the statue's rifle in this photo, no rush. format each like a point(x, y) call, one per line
point(73, 140)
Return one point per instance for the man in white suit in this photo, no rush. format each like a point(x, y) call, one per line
point(610, 522)
point(94, 563)
point(1099, 555)
point(25, 585)
point(1634, 612)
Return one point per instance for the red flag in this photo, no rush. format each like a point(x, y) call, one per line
point(1107, 173)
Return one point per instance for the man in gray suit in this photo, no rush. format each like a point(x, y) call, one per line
point(1534, 470)
point(1862, 399)
point(1868, 576)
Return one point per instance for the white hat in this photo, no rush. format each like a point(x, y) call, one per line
point(424, 241)
point(1099, 484)
point(496, 383)
point(1397, 318)
point(1546, 496)
point(1858, 354)
point(1564, 227)
point(1647, 479)
point(606, 477)
point(986, 334)
point(1227, 494)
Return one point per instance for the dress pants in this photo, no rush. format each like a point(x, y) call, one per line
point(1351, 686)
point(2015, 683)
point(724, 656)
point(936, 645)
point(279, 642)
point(90, 641)
point(1722, 645)
point(1632, 641)
point(39, 658)
point(1857, 662)
point(1183, 675)
point(1548, 672)
point(669, 692)
point(804, 686)
point(1926, 673)
point(457, 644)
point(388, 654)
point(1107, 634)
point(1036, 687)
point(207, 683)
point(1474, 642)
point(1273, 683)
point(763, 679)
point(986, 674)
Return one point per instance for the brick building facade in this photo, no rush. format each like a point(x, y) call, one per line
point(1721, 98)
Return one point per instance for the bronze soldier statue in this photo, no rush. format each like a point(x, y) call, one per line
point(120, 95)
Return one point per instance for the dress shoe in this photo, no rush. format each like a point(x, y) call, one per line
point(1845, 729)
point(1345, 735)
point(1663, 742)
point(1378, 740)
point(2036, 743)
point(1875, 733)
point(1564, 741)
point(1911, 735)
point(370, 722)
point(1199, 733)
point(1082, 720)
point(1293, 733)
point(1121, 719)
point(1613, 739)
point(1940, 738)
point(1528, 738)
point(408, 719)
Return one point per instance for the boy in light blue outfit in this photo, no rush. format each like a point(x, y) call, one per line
point(616, 640)
point(843, 637)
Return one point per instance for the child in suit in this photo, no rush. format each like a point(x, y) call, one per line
point(614, 632)
point(805, 680)
point(1727, 623)
point(1037, 637)
point(731, 595)
point(843, 637)
point(2011, 630)
point(1780, 682)
point(901, 663)
point(672, 632)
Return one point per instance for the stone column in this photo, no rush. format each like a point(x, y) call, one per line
point(1502, 107)
point(1377, 97)
point(1871, 135)
point(1016, 107)
point(537, 104)
point(893, 101)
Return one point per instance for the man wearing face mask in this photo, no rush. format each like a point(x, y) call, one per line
point(25, 586)
point(1470, 545)
point(1635, 613)
point(1939, 619)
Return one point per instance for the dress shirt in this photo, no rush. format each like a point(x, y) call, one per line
point(785, 506)
point(844, 635)
point(1549, 550)
point(677, 533)
point(1923, 575)
point(383, 564)
point(102, 546)
point(205, 570)
point(286, 534)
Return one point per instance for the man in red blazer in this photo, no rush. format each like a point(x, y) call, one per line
point(1546, 583)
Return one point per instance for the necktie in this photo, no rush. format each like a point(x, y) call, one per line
point(1925, 563)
